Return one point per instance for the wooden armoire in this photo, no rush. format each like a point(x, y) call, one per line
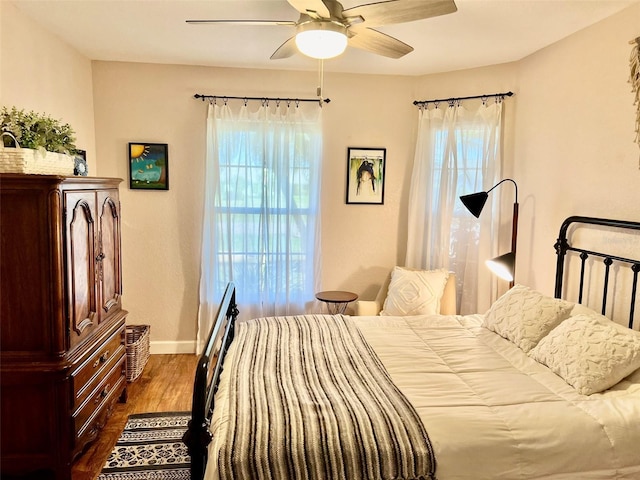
point(62, 328)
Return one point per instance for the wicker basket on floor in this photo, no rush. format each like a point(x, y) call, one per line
point(137, 350)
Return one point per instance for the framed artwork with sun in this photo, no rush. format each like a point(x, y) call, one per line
point(148, 166)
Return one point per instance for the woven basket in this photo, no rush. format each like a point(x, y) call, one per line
point(137, 350)
point(28, 160)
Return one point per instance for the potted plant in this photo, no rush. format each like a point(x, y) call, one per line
point(36, 143)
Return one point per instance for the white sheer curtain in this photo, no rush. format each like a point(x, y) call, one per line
point(457, 152)
point(261, 210)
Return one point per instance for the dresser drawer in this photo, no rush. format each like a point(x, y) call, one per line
point(112, 385)
point(93, 370)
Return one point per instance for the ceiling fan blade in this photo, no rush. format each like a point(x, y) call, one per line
point(377, 42)
point(286, 50)
point(400, 11)
point(313, 8)
point(242, 22)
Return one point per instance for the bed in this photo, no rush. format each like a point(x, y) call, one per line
point(434, 396)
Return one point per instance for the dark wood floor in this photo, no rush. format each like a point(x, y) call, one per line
point(166, 385)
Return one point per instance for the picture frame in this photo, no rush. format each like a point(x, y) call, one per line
point(80, 168)
point(148, 166)
point(365, 175)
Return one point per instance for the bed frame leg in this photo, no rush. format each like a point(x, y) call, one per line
point(197, 439)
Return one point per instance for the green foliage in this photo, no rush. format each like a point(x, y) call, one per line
point(35, 130)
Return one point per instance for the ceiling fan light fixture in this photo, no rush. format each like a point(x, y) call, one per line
point(326, 39)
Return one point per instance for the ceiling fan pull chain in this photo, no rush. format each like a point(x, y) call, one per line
point(320, 88)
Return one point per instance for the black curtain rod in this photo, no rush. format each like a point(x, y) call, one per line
point(262, 99)
point(453, 99)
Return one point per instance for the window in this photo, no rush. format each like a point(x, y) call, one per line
point(467, 157)
point(265, 209)
point(457, 152)
point(265, 178)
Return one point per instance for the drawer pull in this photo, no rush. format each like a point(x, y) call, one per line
point(102, 394)
point(103, 358)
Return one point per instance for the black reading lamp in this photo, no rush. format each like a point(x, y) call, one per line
point(505, 265)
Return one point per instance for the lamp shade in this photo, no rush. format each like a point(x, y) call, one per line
point(475, 202)
point(503, 266)
point(321, 39)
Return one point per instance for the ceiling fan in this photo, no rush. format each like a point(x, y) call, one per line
point(324, 28)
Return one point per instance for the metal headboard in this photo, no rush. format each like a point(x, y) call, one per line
point(563, 246)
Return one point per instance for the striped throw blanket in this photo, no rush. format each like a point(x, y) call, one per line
point(309, 399)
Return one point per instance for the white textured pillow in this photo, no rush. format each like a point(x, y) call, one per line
point(590, 352)
point(524, 316)
point(579, 309)
point(415, 292)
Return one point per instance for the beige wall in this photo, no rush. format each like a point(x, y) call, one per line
point(39, 72)
point(574, 150)
point(161, 234)
point(568, 130)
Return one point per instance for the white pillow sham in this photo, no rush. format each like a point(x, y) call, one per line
point(590, 352)
point(524, 316)
point(579, 309)
point(414, 292)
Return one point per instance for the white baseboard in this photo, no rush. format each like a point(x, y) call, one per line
point(172, 347)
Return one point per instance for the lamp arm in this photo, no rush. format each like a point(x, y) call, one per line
point(506, 180)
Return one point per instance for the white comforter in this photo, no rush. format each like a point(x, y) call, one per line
point(493, 413)
point(490, 411)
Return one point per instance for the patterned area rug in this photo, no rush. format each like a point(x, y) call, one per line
point(150, 448)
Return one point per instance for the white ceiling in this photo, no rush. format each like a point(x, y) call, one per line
point(481, 32)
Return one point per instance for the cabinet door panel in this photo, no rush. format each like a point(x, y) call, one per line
point(109, 227)
point(81, 264)
point(26, 279)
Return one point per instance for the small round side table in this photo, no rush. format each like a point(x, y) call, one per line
point(336, 300)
